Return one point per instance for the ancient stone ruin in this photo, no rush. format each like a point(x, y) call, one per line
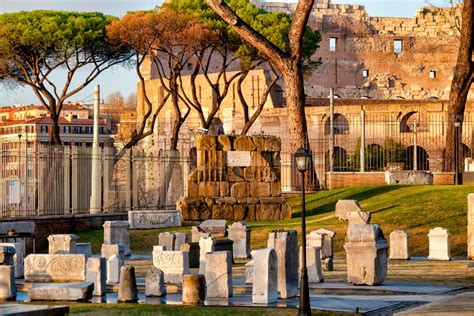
point(237, 178)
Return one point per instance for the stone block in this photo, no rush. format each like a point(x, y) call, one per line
point(265, 276)
point(235, 174)
point(127, 291)
point(439, 244)
point(166, 239)
point(252, 174)
point(154, 283)
point(7, 284)
point(197, 233)
point(328, 264)
point(239, 190)
point(206, 244)
point(205, 142)
point(79, 292)
point(224, 189)
point(240, 212)
point(260, 189)
point(18, 258)
point(285, 211)
point(193, 209)
point(55, 268)
point(193, 188)
point(244, 143)
point(96, 272)
point(223, 211)
point(239, 233)
point(285, 243)
point(366, 253)
point(275, 189)
point(209, 189)
point(194, 289)
point(268, 212)
point(216, 227)
point(114, 265)
point(62, 244)
point(345, 206)
point(323, 238)
point(358, 217)
point(84, 248)
point(193, 253)
point(145, 219)
point(224, 142)
point(7, 255)
point(399, 245)
point(173, 264)
point(313, 264)
point(116, 232)
point(108, 251)
point(219, 274)
point(416, 177)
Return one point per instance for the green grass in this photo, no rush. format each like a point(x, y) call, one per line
point(416, 209)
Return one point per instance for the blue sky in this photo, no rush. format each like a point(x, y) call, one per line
point(120, 79)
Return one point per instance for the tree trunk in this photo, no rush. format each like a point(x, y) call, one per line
point(54, 137)
point(462, 81)
point(178, 121)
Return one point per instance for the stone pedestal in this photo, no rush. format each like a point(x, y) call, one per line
point(439, 244)
point(108, 251)
point(470, 226)
point(366, 252)
point(239, 233)
point(148, 219)
point(265, 285)
point(219, 274)
point(96, 272)
point(79, 292)
point(18, 257)
point(285, 243)
point(194, 289)
point(116, 232)
point(205, 245)
point(155, 283)
point(7, 284)
point(62, 244)
point(127, 292)
point(55, 268)
point(171, 241)
point(399, 245)
point(114, 266)
point(173, 264)
point(313, 264)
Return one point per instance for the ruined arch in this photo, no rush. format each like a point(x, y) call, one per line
point(340, 159)
point(341, 125)
point(405, 122)
point(422, 158)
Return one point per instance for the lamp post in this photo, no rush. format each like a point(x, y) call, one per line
point(303, 161)
point(457, 125)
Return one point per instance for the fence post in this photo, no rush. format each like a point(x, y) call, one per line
point(415, 151)
point(362, 141)
point(331, 132)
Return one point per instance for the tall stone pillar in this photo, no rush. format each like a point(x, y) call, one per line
point(95, 206)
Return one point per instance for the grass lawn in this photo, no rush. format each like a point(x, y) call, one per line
point(415, 209)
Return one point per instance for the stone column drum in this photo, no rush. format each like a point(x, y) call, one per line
point(366, 251)
point(116, 232)
point(194, 289)
point(155, 283)
point(265, 285)
point(399, 245)
point(127, 292)
point(439, 244)
point(239, 233)
point(285, 243)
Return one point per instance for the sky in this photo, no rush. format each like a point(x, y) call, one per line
point(124, 80)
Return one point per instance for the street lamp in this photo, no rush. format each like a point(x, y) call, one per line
point(303, 161)
point(457, 125)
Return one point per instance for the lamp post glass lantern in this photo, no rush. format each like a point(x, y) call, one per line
point(303, 162)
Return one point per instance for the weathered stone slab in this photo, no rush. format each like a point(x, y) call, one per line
point(147, 219)
point(197, 233)
point(399, 245)
point(216, 227)
point(96, 272)
point(417, 177)
point(366, 252)
point(285, 243)
point(239, 233)
point(322, 238)
point(470, 226)
point(173, 264)
point(358, 217)
point(127, 292)
point(62, 244)
point(114, 265)
point(108, 251)
point(265, 285)
point(219, 274)
point(194, 289)
point(345, 206)
point(205, 245)
point(84, 248)
point(193, 253)
point(80, 292)
point(7, 254)
point(55, 268)
point(7, 283)
point(155, 283)
point(18, 257)
point(313, 264)
point(439, 244)
point(116, 232)
point(171, 241)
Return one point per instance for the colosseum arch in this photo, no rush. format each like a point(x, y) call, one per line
point(422, 158)
point(340, 159)
point(341, 125)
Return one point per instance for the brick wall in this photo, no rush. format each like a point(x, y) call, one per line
point(349, 179)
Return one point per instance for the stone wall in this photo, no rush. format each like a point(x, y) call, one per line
point(237, 178)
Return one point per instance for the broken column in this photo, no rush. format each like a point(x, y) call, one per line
point(96, 272)
point(194, 289)
point(117, 232)
point(155, 283)
point(127, 292)
point(206, 244)
point(265, 285)
point(285, 243)
point(439, 244)
point(366, 252)
point(239, 233)
point(399, 245)
point(219, 274)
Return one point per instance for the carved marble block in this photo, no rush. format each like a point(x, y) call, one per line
point(285, 243)
point(116, 232)
point(399, 245)
point(265, 285)
point(239, 233)
point(18, 258)
point(439, 244)
point(62, 244)
point(219, 274)
point(55, 268)
point(366, 252)
point(147, 219)
point(173, 264)
point(345, 206)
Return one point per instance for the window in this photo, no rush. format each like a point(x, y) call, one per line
point(365, 73)
point(432, 74)
point(332, 44)
point(397, 46)
point(74, 116)
point(44, 128)
point(67, 129)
